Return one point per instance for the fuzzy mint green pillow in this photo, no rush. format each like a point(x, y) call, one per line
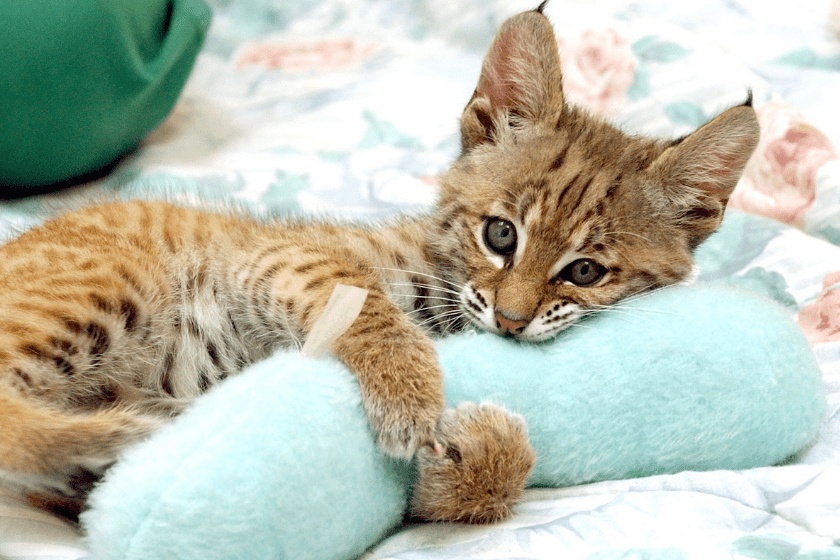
point(83, 81)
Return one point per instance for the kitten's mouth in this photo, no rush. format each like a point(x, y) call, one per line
point(539, 329)
point(545, 326)
point(527, 335)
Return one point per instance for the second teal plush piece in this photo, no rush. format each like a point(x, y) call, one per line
point(698, 378)
point(279, 462)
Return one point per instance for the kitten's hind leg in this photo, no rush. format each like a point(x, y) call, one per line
point(80, 482)
point(55, 457)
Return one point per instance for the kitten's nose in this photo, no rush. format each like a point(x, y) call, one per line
point(509, 326)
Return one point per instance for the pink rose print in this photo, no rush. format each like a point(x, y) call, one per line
point(598, 69)
point(330, 54)
point(821, 320)
point(779, 181)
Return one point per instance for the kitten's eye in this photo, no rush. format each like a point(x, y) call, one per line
point(583, 272)
point(500, 236)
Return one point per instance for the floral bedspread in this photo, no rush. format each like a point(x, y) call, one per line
point(350, 107)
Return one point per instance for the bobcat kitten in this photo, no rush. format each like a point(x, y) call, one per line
point(113, 318)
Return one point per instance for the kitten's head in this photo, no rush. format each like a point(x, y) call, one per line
point(550, 213)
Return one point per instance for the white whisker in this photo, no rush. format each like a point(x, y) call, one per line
point(453, 321)
point(642, 294)
point(427, 286)
point(442, 306)
point(433, 277)
point(575, 324)
point(623, 307)
point(435, 318)
point(596, 310)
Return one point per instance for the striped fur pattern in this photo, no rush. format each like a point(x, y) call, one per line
point(114, 317)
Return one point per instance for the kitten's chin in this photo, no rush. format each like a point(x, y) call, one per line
point(541, 336)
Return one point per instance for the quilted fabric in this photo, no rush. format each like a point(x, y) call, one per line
point(349, 107)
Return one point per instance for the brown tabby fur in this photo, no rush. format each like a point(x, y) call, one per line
point(116, 316)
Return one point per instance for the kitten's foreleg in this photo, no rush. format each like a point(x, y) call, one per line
point(395, 363)
point(399, 375)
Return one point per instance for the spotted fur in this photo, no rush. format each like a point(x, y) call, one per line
point(115, 317)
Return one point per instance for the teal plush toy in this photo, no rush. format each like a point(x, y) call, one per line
point(279, 462)
point(83, 81)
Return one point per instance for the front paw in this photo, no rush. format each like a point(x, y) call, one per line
point(402, 428)
point(481, 473)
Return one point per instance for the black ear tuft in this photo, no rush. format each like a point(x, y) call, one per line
point(541, 7)
point(749, 101)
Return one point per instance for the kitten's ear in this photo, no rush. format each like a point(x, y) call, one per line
point(520, 77)
point(700, 172)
